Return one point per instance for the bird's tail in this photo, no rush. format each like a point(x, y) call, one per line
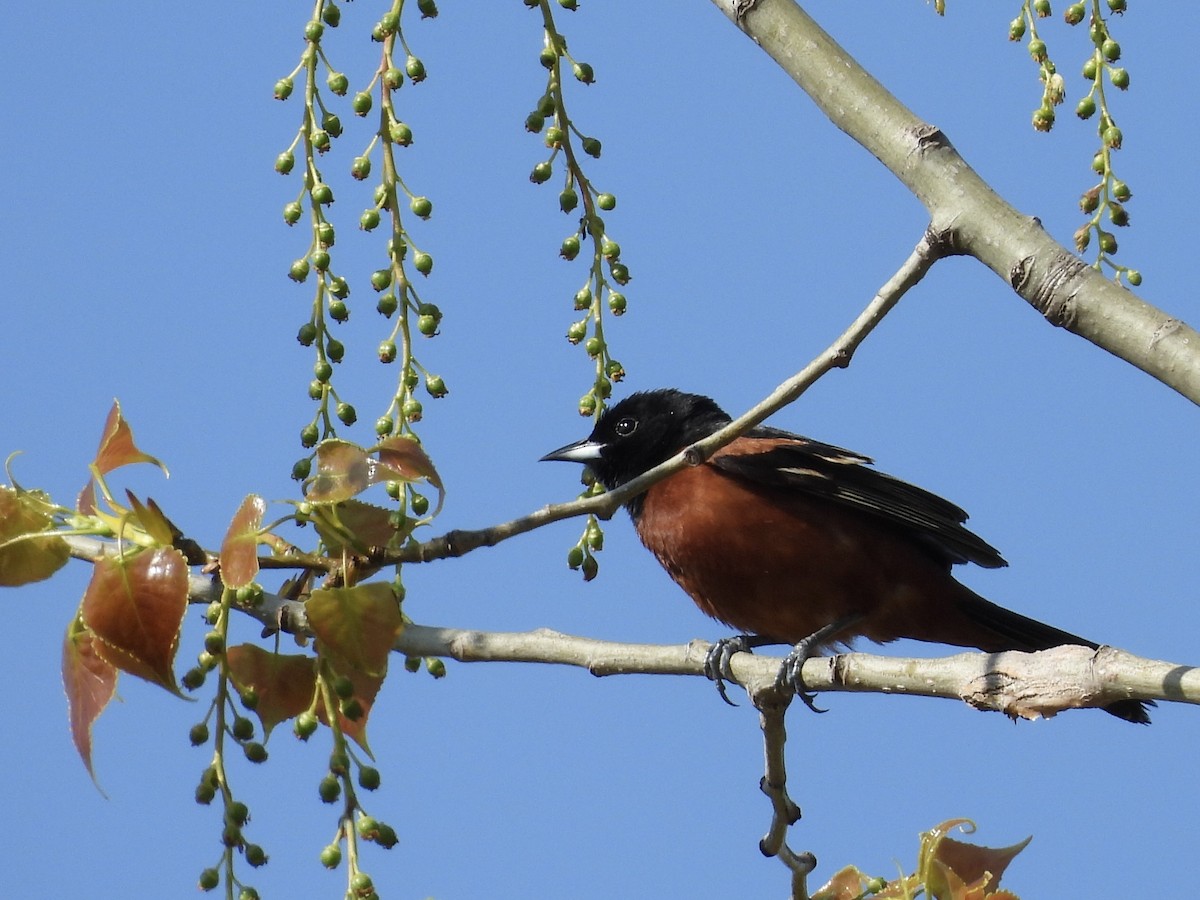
point(1013, 631)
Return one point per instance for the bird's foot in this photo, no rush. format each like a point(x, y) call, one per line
point(791, 673)
point(716, 662)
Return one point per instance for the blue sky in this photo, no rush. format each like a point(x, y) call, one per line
point(145, 259)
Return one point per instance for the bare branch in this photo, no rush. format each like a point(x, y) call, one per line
point(963, 208)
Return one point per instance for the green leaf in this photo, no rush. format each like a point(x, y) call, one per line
point(359, 624)
point(29, 558)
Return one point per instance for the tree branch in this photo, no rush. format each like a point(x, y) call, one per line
point(1024, 685)
point(963, 208)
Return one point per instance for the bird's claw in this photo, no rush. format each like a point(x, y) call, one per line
point(717, 662)
point(791, 675)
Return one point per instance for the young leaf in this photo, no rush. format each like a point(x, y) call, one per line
point(283, 684)
point(117, 449)
point(343, 470)
point(90, 683)
point(357, 527)
point(239, 550)
point(409, 459)
point(30, 559)
point(358, 624)
point(135, 607)
point(152, 520)
point(366, 688)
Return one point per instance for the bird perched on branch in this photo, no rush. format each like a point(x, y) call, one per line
point(789, 540)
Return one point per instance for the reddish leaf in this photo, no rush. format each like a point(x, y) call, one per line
point(358, 624)
point(978, 867)
point(284, 684)
point(135, 607)
point(343, 470)
point(357, 526)
point(409, 459)
point(239, 550)
point(30, 559)
point(845, 885)
point(90, 683)
point(117, 449)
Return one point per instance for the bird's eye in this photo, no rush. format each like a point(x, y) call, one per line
point(625, 426)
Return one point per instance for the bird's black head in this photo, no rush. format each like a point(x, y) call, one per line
point(642, 431)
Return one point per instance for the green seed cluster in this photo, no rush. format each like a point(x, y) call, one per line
point(337, 784)
point(230, 725)
point(393, 206)
point(607, 272)
point(1104, 202)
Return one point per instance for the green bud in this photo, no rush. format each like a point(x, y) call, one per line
point(283, 88)
point(591, 146)
point(1134, 277)
point(1121, 190)
point(568, 199)
point(284, 162)
point(422, 207)
point(606, 202)
point(368, 778)
point(1110, 50)
point(255, 752)
point(301, 469)
point(435, 385)
point(400, 134)
point(583, 297)
point(1075, 13)
point(329, 789)
point(292, 212)
point(616, 303)
point(299, 270)
point(610, 249)
point(313, 30)
point(427, 325)
point(331, 15)
point(332, 123)
point(591, 568)
point(209, 879)
point(308, 435)
point(584, 73)
point(393, 78)
point(1085, 108)
point(1037, 49)
point(570, 247)
point(369, 220)
point(428, 9)
point(1108, 242)
point(412, 410)
point(307, 334)
point(331, 856)
point(1112, 137)
point(320, 260)
point(361, 104)
point(305, 725)
point(1016, 29)
point(381, 279)
point(415, 69)
point(338, 83)
point(576, 332)
point(322, 193)
point(387, 351)
point(593, 346)
point(1090, 68)
point(346, 413)
point(1043, 118)
point(541, 172)
point(620, 273)
point(360, 169)
point(534, 122)
point(338, 311)
point(554, 136)
point(547, 58)
point(339, 288)
point(384, 426)
point(322, 370)
point(335, 349)
point(423, 263)
point(198, 734)
point(1119, 78)
point(386, 305)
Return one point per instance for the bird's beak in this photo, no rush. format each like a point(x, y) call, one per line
point(584, 451)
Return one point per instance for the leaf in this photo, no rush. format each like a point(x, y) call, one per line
point(358, 624)
point(357, 527)
point(90, 683)
point(409, 459)
point(954, 870)
point(135, 607)
point(29, 559)
point(366, 688)
point(152, 520)
point(848, 884)
point(284, 684)
point(117, 449)
point(343, 470)
point(239, 549)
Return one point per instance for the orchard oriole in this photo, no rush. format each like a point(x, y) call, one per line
point(789, 540)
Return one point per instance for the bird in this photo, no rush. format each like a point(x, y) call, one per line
point(790, 540)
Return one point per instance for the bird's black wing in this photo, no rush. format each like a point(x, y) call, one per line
point(796, 463)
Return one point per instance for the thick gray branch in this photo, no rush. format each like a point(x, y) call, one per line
point(963, 208)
